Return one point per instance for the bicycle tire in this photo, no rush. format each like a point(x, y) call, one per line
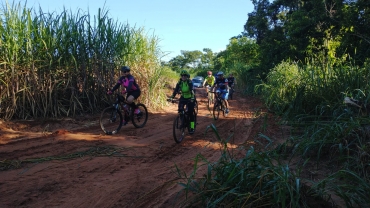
point(209, 104)
point(216, 110)
point(178, 129)
point(209, 101)
point(108, 124)
point(223, 108)
point(140, 119)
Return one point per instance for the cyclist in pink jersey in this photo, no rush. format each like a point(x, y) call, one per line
point(128, 82)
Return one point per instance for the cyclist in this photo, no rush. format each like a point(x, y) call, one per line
point(185, 87)
point(131, 88)
point(231, 80)
point(209, 81)
point(222, 87)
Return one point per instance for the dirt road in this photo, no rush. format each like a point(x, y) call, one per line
point(71, 163)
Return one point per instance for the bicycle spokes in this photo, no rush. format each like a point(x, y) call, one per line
point(110, 120)
point(139, 116)
point(179, 129)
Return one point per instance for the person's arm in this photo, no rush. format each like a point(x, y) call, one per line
point(115, 87)
point(119, 82)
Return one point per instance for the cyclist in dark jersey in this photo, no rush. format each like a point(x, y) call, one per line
point(231, 80)
point(185, 87)
point(222, 86)
point(132, 89)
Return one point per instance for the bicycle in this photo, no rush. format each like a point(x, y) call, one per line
point(219, 105)
point(209, 97)
point(111, 118)
point(182, 122)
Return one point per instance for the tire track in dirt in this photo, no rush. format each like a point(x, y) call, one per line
point(141, 173)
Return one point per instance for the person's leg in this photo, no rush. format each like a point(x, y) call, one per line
point(225, 96)
point(181, 105)
point(130, 99)
point(191, 109)
point(191, 116)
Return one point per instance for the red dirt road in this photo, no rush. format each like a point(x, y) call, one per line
point(71, 163)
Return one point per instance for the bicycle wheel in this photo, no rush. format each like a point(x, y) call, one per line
point(209, 104)
point(223, 108)
point(216, 110)
point(111, 120)
point(209, 101)
point(178, 129)
point(139, 120)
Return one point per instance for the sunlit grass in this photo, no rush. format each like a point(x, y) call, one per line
point(61, 64)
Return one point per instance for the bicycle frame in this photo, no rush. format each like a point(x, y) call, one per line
point(182, 122)
point(108, 119)
point(219, 105)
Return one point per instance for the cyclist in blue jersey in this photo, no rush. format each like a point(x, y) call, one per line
point(222, 87)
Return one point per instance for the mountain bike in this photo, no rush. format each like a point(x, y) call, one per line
point(219, 105)
point(209, 98)
point(111, 118)
point(182, 122)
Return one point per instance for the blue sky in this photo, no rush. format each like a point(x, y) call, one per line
point(179, 24)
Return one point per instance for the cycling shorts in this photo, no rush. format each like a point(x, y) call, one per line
point(224, 93)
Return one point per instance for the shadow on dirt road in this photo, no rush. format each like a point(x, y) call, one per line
point(71, 163)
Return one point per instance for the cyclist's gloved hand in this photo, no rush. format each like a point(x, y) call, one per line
point(109, 92)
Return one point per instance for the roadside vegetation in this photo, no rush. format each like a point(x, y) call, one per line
point(300, 57)
point(62, 64)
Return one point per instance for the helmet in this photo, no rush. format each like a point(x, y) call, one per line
point(220, 73)
point(209, 73)
point(125, 69)
point(184, 72)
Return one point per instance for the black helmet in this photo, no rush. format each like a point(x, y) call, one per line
point(125, 69)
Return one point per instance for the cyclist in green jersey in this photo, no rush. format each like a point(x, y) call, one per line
point(209, 81)
point(185, 87)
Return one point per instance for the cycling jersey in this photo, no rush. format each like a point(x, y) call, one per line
point(127, 82)
point(231, 81)
point(186, 89)
point(210, 80)
point(221, 83)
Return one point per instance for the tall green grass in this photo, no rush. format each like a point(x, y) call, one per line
point(259, 179)
point(61, 64)
point(332, 136)
point(327, 137)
